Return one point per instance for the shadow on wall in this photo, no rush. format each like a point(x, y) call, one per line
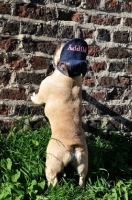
point(116, 123)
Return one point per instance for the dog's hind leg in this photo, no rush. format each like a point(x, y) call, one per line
point(80, 164)
point(53, 167)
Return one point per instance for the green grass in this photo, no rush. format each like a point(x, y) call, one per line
point(22, 163)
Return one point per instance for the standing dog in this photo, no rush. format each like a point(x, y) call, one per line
point(62, 94)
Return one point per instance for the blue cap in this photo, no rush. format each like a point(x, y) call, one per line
point(75, 52)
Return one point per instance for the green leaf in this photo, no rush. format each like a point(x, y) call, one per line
point(9, 163)
point(16, 176)
point(42, 184)
point(35, 142)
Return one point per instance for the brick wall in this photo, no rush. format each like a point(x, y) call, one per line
point(29, 33)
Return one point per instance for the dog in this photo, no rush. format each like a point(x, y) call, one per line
point(61, 92)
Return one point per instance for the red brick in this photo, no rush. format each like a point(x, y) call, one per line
point(4, 78)
point(77, 17)
point(127, 6)
point(107, 81)
point(104, 20)
point(8, 44)
point(5, 8)
point(121, 37)
point(39, 62)
point(98, 95)
point(24, 78)
point(115, 94)
point(11, 27)
point(123, 82)
point(29, 45)
point(96, 66)
point(92, 4)
point(128, 22)
point(3, 110)
point(13, 94)
point(93, 51)
point(88, 109)
point(111, 5)
point(88, 81)
point(35, 12)
point(117, 53)
point(16, 62)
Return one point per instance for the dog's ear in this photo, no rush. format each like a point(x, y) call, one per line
point(56, 57)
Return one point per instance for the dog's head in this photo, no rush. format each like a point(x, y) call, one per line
point(71, 56)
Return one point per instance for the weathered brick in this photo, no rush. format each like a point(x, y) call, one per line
point(22, 110)
point(98, 66)
point(93, 51)
point(28, 28)
point(1, 60)
point(37, 124)
point(39, 62)
point(77, 17)
point(88, 109)
point(32, 78)
point(46, 47)
point(65, 15)
point(103, 35)
point(5, 126)
point(128, 22)
point(121, 110)
point(117, 66)
point(35, 12)
point(73, 2)
point(50, 31)
point(127, 94)
point(107, 81)
point(88, 81)
point(4, 78)
point(104, 20)
point(93, 126)
point(5, 8)
point(115, 94)
point(11, 27)
point(16, 62)
point(8, 44)
point(3, 109)
point(114, 125)
point(92, 4)
point(127, 6)
point(14, 94)
point(117, 53)
point(123, 82)
point(111, 5)
point(121, 37)
point(29, 45)
point(98, 95)
point(87, 33)
point(66, 32)
point(130, 68)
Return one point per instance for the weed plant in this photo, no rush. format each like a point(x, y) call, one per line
point(22, 163)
